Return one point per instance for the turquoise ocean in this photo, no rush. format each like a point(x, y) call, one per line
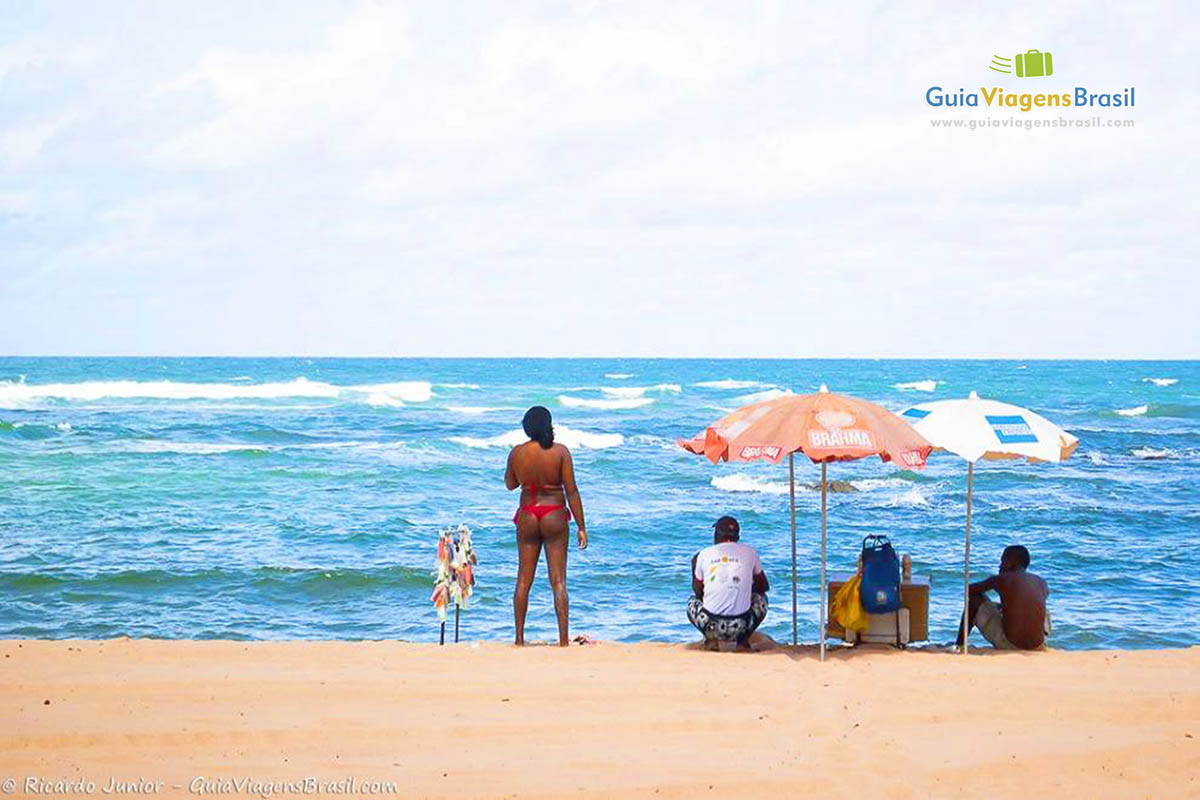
point(252, 498)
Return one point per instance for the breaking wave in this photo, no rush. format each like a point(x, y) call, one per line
point(618, 376)
point(741, 482)
point(918, 386)
point(745, 482)
point(639, 391)
point(1161, 381)
point(1160, 410)
point(758, 397)
point(729, 383)
point(914, 497)
point(871, 484)
point(1154, 453)
point(477, 409)
point(396, 393)
point(611, 405)
point(164, 446)
point(562, 434)
point(399, 392)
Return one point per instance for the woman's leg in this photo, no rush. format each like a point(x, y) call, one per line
point(529, 548)
point(555, 536)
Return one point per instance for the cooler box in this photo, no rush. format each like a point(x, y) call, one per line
point(914, 599)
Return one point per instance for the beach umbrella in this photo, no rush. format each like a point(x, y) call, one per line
point(824, 426)
point(976, 429)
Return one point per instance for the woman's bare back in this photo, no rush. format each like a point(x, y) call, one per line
point(546, 476)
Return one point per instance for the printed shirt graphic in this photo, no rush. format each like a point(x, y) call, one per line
point(728, 571)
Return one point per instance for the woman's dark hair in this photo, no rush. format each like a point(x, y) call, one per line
point(537, 426)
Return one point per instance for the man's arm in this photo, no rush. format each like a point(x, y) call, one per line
point(760, 584)
point(985, 585)
point(697, 584)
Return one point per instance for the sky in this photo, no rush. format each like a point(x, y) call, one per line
point(591, 179)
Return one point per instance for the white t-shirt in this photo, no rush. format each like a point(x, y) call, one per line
point(728, 571)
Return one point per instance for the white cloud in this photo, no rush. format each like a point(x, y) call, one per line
point(400, 179)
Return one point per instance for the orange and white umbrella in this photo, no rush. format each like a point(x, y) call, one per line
point(824, 426)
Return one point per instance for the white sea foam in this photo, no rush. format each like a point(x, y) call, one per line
point(381, 400)
point(871, 484)
point(98, 390)
point(21, 393)
point(63, 427)
point(914, 497)
point(1161, 381)
point(193, 448)
point(562, 434)
point(918, 386)
point(655, 441)
point(1154, 453)
point(404, 391)
point(618, 376)
point(216, 448)
point(1136, 411)
point(729, 383)
point(459, 385)
point(742, 482)
point(476, 409)
point(1096, 458)
point(758, 397)
point(639, 391)
point(611, 405)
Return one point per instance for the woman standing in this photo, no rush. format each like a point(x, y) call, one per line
point(546, 475)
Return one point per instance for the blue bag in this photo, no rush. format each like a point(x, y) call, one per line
point(880, 588)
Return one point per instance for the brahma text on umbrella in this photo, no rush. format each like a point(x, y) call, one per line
point(840, 438)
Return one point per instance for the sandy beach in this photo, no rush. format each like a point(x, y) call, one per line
point(606, 720)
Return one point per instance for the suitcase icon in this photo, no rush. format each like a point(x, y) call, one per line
point(1034, 64)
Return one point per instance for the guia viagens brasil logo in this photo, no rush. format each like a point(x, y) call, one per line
point(1029, 64)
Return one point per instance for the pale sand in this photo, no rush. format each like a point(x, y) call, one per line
point(605, 720)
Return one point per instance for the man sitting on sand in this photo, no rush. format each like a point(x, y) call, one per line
point(1020, 622)
point(730, 589)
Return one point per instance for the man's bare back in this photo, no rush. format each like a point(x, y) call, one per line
point(1023, 603)
point(1020, 620)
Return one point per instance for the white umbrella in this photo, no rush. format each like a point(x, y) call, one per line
point(975, 428)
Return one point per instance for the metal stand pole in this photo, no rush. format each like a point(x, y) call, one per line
point(442, 640)
point(967, 561)
point(792, 483)
point(823, 494)
point(456, 623)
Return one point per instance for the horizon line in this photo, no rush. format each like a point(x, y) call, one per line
point(606, 357)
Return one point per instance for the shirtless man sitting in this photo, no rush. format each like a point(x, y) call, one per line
point(1021, 621)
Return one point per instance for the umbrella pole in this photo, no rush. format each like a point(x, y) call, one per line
point(967, 560)
point(792, 484)
point(823, 465)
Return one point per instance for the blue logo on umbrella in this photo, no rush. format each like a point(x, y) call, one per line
point(1011, 428)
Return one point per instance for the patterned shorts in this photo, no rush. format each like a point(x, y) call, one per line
point(722, 628)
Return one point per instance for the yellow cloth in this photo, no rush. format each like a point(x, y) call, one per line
point(848, 609)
